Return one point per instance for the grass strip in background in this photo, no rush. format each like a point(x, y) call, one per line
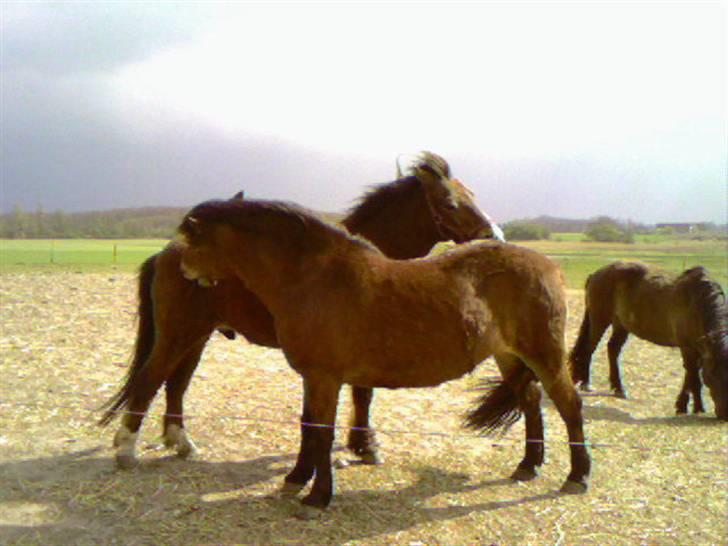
point(577, 258)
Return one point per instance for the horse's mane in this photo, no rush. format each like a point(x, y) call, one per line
point(384, 195)
point(711, 301)
point(379, 197)
point(237, 213)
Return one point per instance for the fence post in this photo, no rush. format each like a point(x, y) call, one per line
point(114, 253)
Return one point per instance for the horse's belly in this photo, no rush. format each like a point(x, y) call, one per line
point(416, 361)
point(655, 329)
point(397, 374)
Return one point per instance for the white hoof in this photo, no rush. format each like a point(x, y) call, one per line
point(176, 438)
point(125, 444)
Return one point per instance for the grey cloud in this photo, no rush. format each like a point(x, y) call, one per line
point(68, 38)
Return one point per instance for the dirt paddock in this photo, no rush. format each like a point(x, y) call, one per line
point(64, 342)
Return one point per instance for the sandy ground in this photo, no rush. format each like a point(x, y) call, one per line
point(64, 344)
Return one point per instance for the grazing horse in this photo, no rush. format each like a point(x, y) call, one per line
point(688, 311)
point(347, 314)
point(404, 219)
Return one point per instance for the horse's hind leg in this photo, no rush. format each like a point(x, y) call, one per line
point(175, 436)
point(692, 383)
point(591, 331)
point(141, 393)
point(529, 401)
point(145, 387)
point(568, 402)
point(614, 347)
point(362, 440)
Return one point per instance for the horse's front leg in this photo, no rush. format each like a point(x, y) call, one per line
point(691, 383)
point(362, 439)
point(303, 471)
point(321, 395)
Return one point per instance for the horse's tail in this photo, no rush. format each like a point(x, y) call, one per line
point(498, 407)
point(580, 354)
point(144, 341)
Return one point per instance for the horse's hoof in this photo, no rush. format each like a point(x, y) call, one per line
point(681, 411)
point(126, 462)
point(308, 513)
point(371, 458)
point(573, 488)
point(341, 463)
point(187, 449)
point(586, 387)
point(524, 474)
point(290, 489)
point(176, 438)
point(619, 393)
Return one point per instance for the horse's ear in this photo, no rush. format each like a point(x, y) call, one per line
point(240, 196)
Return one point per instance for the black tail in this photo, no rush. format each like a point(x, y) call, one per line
point(580, 355)
point(144, 341)
point(498, 406)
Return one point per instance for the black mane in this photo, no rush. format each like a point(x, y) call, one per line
point(381, 196)
point(378, 197)
point(238, 213)
point(711, 301)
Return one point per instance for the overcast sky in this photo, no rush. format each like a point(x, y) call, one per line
point(566, 109)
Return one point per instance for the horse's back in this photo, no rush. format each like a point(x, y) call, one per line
point(636, 297)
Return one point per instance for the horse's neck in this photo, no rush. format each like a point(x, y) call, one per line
point(280, 274)
point(400, 230)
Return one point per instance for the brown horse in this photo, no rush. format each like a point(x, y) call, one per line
point(688, 311)
point(347, 314)
point(404, 219)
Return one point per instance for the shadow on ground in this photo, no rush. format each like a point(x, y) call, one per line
point(81, 498)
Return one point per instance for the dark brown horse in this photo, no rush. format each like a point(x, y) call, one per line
point(347, 314)
point(404, 218)
point(688, 311)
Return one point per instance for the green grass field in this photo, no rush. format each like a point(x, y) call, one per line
point(577, 258)
point(81, 254)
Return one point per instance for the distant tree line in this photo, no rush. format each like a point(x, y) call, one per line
point(141, 223)
point(603, 229)
point(161, 223)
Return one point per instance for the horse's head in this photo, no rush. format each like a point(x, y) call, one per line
point(453, 209)
point(255, 241)
point(712, 310)
point(201, 260)
point(714, 363)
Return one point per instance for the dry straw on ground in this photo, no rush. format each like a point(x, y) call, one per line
point(64, 343)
